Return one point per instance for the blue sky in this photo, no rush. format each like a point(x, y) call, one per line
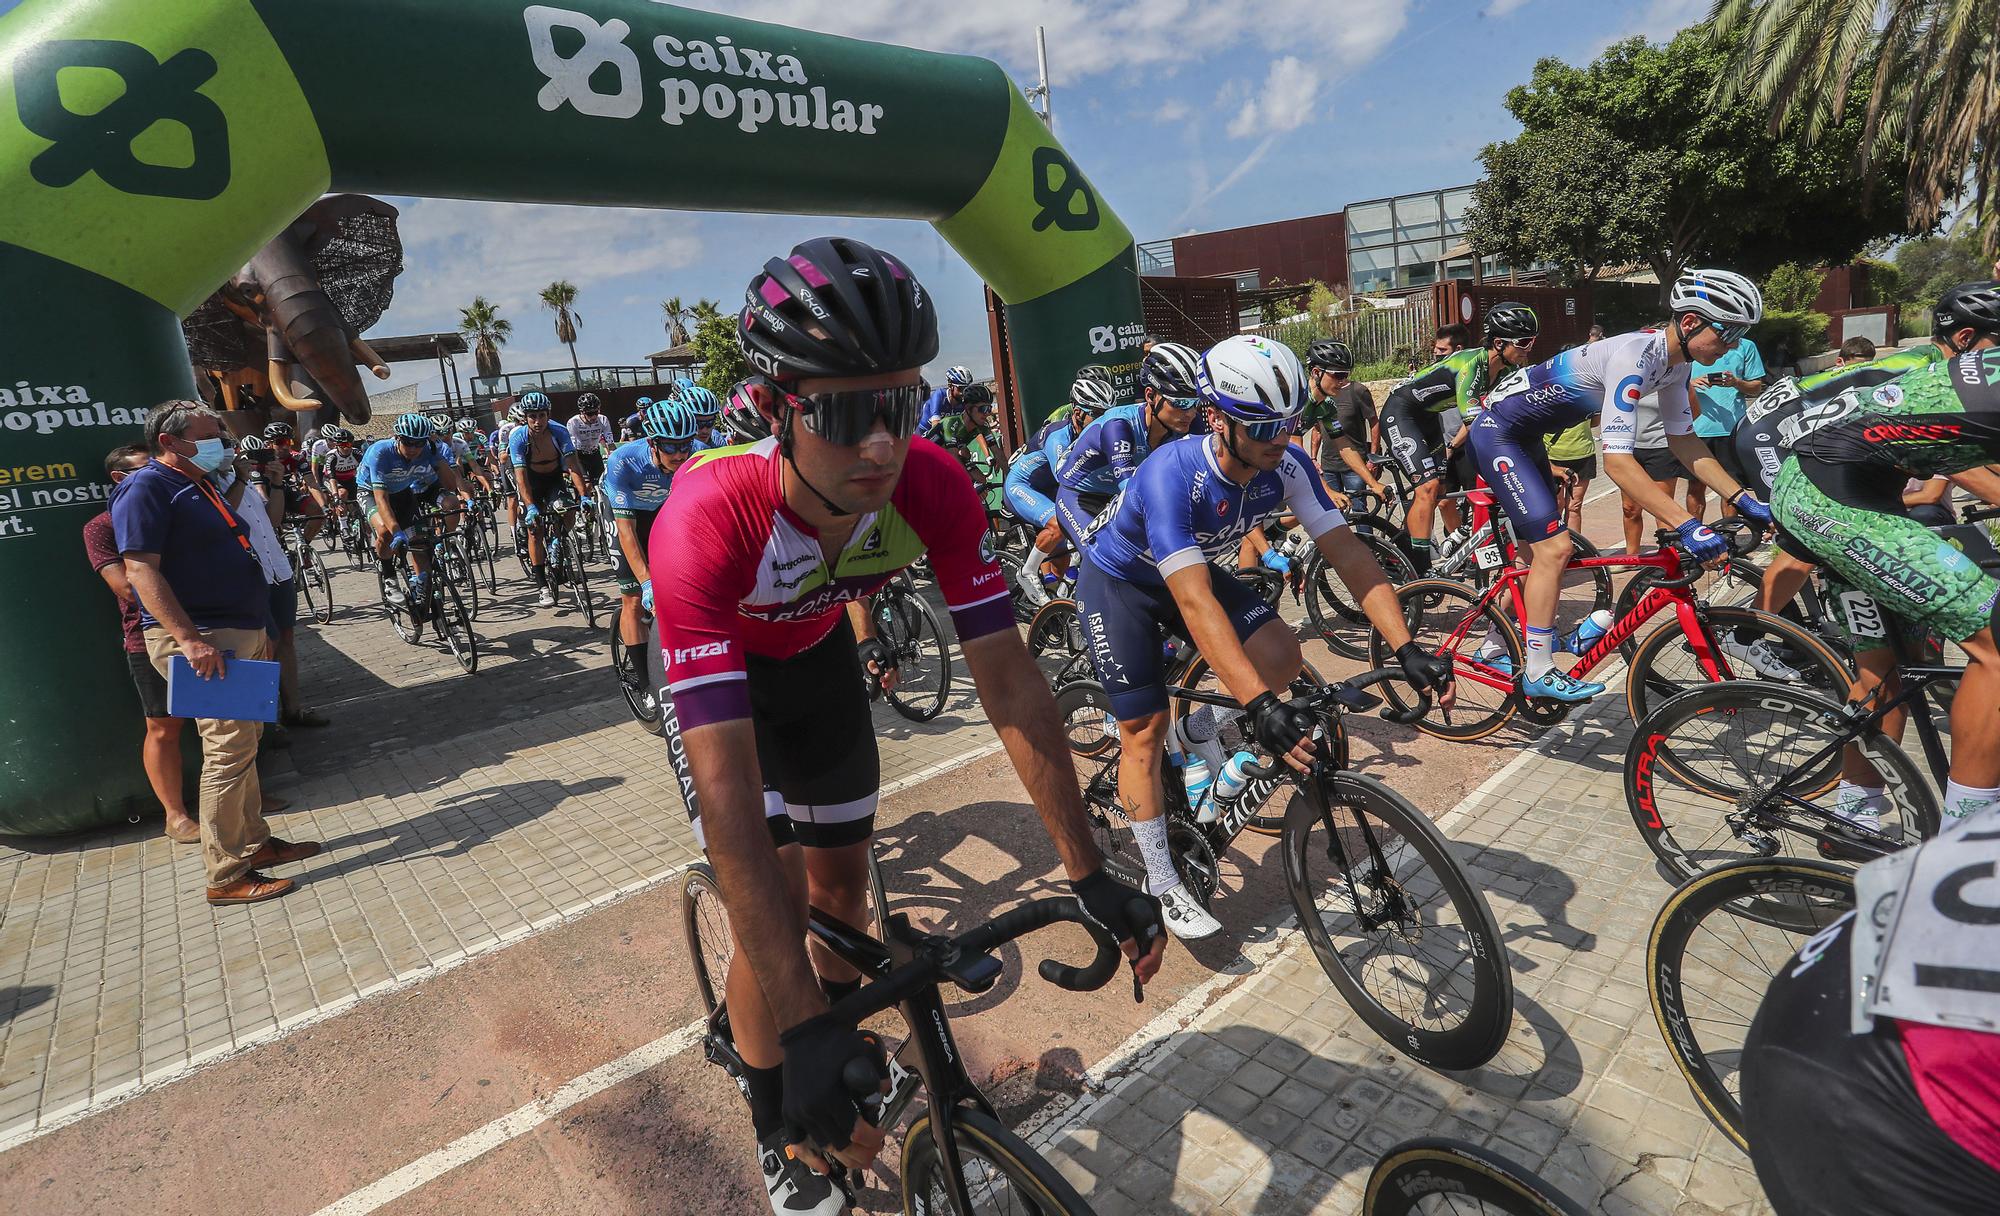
point(1187, 115)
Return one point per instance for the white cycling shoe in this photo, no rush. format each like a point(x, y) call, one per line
point(1030, 583)
point(1761, 655)
point(1187, 920)
point(547, 599)
point(793, 1187)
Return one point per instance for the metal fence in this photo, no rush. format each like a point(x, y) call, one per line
point(1375, 334)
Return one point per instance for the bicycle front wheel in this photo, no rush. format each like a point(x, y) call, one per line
point(1667, 662)
point(1055, 639)
point(1485, 651)
point(705, 922)
point(909, 629)
point(1002, 1175)
point(579, 586)
point(1335, 614)
point(633, 681)
point(455, 623)
point(1713, 950)
point(1407, 939)
point(1434, 1175)
point(1085, 710)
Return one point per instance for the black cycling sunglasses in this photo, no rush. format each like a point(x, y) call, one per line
point(847, 417)
point(672, 447)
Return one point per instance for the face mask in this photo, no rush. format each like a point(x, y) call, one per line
point(210, 454)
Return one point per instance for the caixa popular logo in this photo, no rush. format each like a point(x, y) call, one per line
point(713, 78)
point(1103, 339)
point(101, 141)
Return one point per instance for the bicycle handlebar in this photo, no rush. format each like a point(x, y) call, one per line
point(1743, 536)
point(1347, 695)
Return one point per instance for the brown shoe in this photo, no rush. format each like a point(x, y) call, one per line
point(250, 889)
point(191, 834)
point(275, 852)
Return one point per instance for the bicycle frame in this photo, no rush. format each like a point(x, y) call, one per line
point(1916, 680)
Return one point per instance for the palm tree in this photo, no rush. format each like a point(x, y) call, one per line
point(1935, 66)
point(489, 331)
point(559, 298)
point(677, 317)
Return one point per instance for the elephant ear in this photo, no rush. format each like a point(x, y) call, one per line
point(356, 251)
point(219, 335)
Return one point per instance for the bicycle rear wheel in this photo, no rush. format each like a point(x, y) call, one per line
point(909, 629)
point(1667, 664)
point(1335, 615)
point(1085, 710)
point(1002, 1175)
point(1719, 774)
point(1409, 941)
point(633, 684)
point(1434, 1175)
point(1055, 639)
point(1714, 947)
point(1447, 619)
point(705, 922)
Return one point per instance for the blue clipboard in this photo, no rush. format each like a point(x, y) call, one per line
point(246, 691)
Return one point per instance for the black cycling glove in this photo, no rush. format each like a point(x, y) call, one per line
point(1280, 725)
point(1130, 914)
point(818, 1104)
point(873, 651)
point(1426, 672)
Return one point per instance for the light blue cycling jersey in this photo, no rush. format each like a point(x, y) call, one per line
point(1180, 511)
point(517, 443)
point(385, 468)
point(1056, 438)
point(1106, 453)
point(633, 485)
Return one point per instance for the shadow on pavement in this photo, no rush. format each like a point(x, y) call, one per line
point(456, 824)
point(16, 1000)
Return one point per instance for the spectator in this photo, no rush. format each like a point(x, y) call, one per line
point(1573, 456)
point(203, 597)
point(160, 751)
point(1854, 350)
point(1596, 334)
point(1340, 420)
point(1650, 448)
point(263, 488)
point(1721, 390)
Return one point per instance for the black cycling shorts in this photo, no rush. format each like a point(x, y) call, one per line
point(542, 486)
point(1660, 464)
point(1834, 1120)
point(1411, 436)
point(1126, 626)
point(815, 744)
point(621, 569)
point(592, 464)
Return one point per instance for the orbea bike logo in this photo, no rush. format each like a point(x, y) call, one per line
point(101, 142)
point(571, 79)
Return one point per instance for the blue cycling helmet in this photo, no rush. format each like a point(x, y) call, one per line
point(701, 400)
point(642, 404)
point(1253, 379)
point(669, 419)
point(681, 385)
point(413, 426)
point(534, 400)
point(958, 374)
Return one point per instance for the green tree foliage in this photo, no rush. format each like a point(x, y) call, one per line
point(1572, 195)
point(481, 321)
point(714, 343)
point(1701, 183)
point(1792, 287)
point(1934, 265)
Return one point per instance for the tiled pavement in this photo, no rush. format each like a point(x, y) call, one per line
point(459, 814)
point(1276, 1099)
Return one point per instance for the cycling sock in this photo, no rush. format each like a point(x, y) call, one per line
point(541, 576)
point(835, 989)
point(767, 1098)
point(1031, 565)
point(1851, 801)
point(1420, 554)
point(1541, 645)
point(1963, 801)
point(1161, 876)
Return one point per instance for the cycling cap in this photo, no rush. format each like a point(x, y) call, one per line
point(1090, 395)
point(587, 401)
point(1253, 379)
point(958, 374)
point(701, 400)
point(669, 419)
point(534, 400)
point(1511, 320)
point(1171, 369)
point(413, 426)
point(1717, 295)
point(1331, 355)
point(1095, 371)
point(1974, 306)
point(278, 430)
point(836, 307)
point(742, 415)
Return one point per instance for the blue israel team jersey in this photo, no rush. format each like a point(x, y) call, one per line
point(1107, 452)
point(517, 443)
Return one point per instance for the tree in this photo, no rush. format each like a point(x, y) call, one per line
point(1792, 288)
point(1699, 182)
point(677, 316)
point(482, 323)
point(715, 347)
point(1920, 74)
point(1529, 210)
point(1935, 264)
point(559, 298)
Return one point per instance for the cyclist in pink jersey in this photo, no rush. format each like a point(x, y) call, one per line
point(763, 646)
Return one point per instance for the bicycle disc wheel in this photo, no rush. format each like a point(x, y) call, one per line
point(1232, 734)
point(705, 921)
point(1335, 615)
point(1002, 1175)
point(1714, 947)
point(639, 696)
point(1436, 1176)
point(910, 629)
point(1446, 618)
point(1085, 710)
point(1667, 664)
point(1413, 946)
point(1719, 773)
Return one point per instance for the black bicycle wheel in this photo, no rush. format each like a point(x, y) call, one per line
point(1408, 940)
point(1085, 710)
point(1446, 618)
point(457, 569)
point(1055, 639)
point(633, 683)
point(1715, 945)
point(394, 591)
point(454, 621)
point(909, 628)
point(579, 582)
point(1718, 774)
point(705, 921)
point(1002, 1175)
point(1667, 663)
point(1335, 614)
point(1270, 794)
point(521, 552)
point(1437, 1176)
point(1732, 584)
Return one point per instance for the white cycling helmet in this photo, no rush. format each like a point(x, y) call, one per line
point(1090, 395)
point(1722, 296)
point(1253, 379)
point(959, 374)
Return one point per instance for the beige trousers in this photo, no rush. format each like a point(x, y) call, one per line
point(232, 801)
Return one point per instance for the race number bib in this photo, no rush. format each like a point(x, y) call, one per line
point(1813, 417)
point(1513, 382)
point(1487, 556)
point(1773, 399)
point(1939, 958)
point(1864, 615)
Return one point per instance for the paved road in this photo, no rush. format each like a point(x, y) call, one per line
point(479, 1000)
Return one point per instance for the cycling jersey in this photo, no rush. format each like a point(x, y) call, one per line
point(503, 440)
point(521, 442)
point(1106, 453)
point(1030, 487)
point(634, 484)
point(386, 468)
point(1940, 419)
point(751, 579)
point(937, 405)
point(590, 436)
point(1772, 423)
point(1181, 510)
point(338, 463)
point(973, 448)
point(1457, 381)
point(1412, 417)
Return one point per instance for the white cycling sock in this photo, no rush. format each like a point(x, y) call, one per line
point(1541, 644)
point(1152, 836)
point(1031, 565)
point(1964, 801)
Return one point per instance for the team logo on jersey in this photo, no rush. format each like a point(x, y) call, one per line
point(1628, 394)
point(1890, 395)
point(1503, 465)
point(986, 548)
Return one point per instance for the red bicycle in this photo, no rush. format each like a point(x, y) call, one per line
point(1482, 637)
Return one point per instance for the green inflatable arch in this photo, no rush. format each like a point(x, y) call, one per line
point(148, 149)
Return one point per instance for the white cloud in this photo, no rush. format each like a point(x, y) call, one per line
point(1500, 8)
point(1663, 19)
point(1172, 110)
point(1285, 103)
point(1242, 170)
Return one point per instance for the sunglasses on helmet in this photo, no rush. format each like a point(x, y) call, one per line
point(844, 418)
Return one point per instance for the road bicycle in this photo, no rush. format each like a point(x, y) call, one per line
point(560, 525)
point(630, 669)
point(1331, 608)
point(1435, 1175)
point(411, 602)
point(1714, 947)
point(1482, 638)
point(957, 1156)
point(476, 538)
point(906, 625)
point(1396, 924)
point(309, 574)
